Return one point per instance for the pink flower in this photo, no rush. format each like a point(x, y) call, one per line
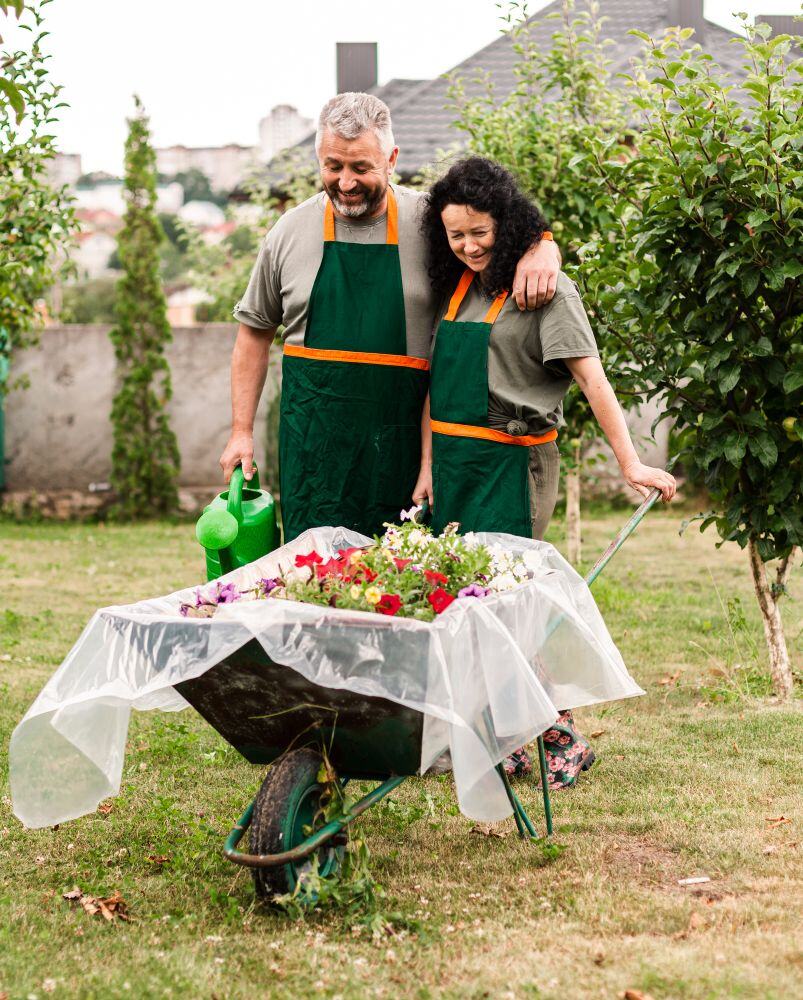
point(473, 590)
point(556, 763)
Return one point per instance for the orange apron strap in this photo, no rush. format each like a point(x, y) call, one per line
point(489, 434)
point(393, 221)
point(496, 308)
point(459, 294)
point(357, 357)
point(328, 222)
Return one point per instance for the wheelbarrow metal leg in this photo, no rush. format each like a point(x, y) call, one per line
point(545, 785)
point(313, 842)
point(523, 821)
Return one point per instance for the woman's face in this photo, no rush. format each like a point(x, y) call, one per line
point(471, 234)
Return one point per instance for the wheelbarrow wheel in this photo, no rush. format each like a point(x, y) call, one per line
point(284, 815)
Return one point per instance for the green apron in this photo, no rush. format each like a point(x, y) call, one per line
point(350, 418)
point(479, 474)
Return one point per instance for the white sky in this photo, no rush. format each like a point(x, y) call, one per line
point(208, 71)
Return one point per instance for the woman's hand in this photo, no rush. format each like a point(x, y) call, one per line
point(423, 487)
point(644, 477)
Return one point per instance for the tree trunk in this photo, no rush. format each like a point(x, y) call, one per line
point(768, 601)
point(573, 542)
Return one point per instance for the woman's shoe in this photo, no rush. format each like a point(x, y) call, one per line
point(518, 764)
point(568, 753)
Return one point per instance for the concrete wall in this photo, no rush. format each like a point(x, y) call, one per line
point(58, 432)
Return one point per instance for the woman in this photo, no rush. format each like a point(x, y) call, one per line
point(497, 383)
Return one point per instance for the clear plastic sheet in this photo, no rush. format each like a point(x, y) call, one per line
point(488, 675)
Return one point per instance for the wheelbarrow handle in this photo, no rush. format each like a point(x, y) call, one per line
point(624, 533)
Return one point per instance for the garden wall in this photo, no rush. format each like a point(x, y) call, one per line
point(58, 431)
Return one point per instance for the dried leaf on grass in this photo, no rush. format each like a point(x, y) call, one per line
point(105, 808)
point(158, 859)
point(695, 880)
point(776, 821)
point(597, 733)
point(486, 830)
point(670, 680)
point(108, 907)
point(634, 995)
point(695, 923)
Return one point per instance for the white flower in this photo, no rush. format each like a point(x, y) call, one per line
point(505, 581)
point(409, 515)
point(299, 574)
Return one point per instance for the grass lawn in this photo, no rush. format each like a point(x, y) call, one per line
point(688, 781)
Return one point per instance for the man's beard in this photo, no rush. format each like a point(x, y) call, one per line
point(372, 198)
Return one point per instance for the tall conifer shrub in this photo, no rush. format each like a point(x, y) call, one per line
point(145, 457)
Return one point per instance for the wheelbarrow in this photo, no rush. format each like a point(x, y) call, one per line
point(273, 715)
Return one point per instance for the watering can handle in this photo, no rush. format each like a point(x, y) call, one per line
point(234, 504)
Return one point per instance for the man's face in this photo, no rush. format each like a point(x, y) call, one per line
point(356, 173)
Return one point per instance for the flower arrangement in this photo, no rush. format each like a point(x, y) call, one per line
point(408, 572)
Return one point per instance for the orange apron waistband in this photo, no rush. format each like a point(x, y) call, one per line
point(357, 357)
point(489, 434)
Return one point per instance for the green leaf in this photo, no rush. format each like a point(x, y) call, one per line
point(728, 378)
point(13, 96)
point(792, 381)
point(764, 448)
point(734, 449)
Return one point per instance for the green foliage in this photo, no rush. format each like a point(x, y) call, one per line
point(223, 270)
point(145, 457)
point(90, 302)
point(563, 112)
point(708, 294)
point(197, 186)
point(36, 218)
point(10, 92)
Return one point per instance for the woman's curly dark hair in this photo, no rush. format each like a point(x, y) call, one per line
point(486, 187)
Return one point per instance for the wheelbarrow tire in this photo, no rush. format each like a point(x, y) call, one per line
point(287, 803)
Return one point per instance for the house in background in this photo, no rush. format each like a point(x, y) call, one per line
point(422, 122)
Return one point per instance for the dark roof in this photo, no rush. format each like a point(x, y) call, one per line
point(423, 123)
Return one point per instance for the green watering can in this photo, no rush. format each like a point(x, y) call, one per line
point(238, 527)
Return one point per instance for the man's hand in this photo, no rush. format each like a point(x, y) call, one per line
point(537, 275)
point(239, 451)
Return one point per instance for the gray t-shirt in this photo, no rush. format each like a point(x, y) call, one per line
point(281, 282)
point(527, 379)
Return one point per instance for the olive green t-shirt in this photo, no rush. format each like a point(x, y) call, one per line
point(279, 290)
point(527, 378)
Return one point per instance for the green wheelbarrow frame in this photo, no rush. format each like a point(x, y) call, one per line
point(336, 825)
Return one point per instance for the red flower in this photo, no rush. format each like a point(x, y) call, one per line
point(370, 576)
point(434, 577)
point(333, 567)
point(401, 563)
point(389, 604)
point(439, 600)
point(345, 554)
point(309, 559)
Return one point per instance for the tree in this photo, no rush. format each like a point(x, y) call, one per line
point(548, 132)
point(709, 293)
point(145, 457)
point(37, 219)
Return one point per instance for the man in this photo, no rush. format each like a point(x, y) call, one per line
point(345, 273)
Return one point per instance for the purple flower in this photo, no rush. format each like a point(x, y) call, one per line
point(266, 585)
point(473, 590)
point(226, 593)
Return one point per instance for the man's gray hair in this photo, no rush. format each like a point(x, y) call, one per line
point(349, 115)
